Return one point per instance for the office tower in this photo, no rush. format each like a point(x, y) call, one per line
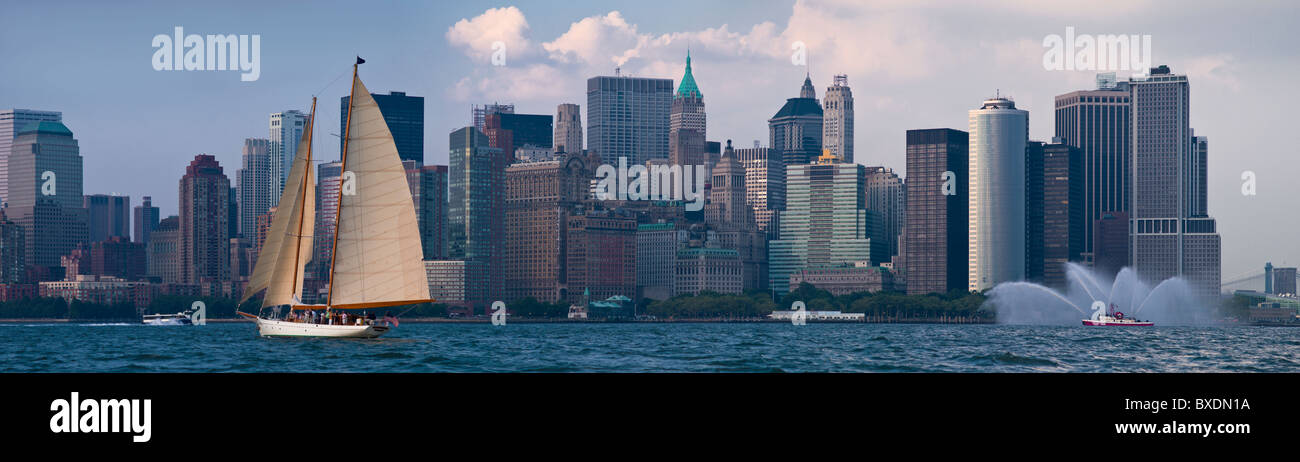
point(476, 212)
point(404, 116)
point(568, 128)
point(1097, 122)
point(429, 193)
point(539, 200)
point(164, 251)
point(45, 192)
point(146, 220)
point(255, 185)
point(107, 216)
point(935, 248)
point(1197, 177)
point(1284, 281)
point(628, 117)
point(687, 124)
point(796, 130)
point(11, 122)
point(656, 259)
point(285, 133)
point(600, 254)
point(204, 222)
point(511, 132)
point(1110, 243)
point(1171, 237)
point(1054, 215)
point(729, 215)
point(998, 134)
point(328, 181)
point(885, 202)
point(825, 221)
point(764, 186)
point(117, 256)
point(837, 121)
point(478, 114)
point(12, 269)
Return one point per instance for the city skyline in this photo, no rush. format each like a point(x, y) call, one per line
point(1219, 75)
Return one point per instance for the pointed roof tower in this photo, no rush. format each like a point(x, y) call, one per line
point(807, 91)
point(687, 89)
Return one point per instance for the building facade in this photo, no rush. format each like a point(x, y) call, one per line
point(204, 222)
point(476, 212)
point(539, 200)
point(45, 192)
point(404, 116)
point(285, 133)
point(13, 121)
point(796, 129)
point(837, 119)
point(146, 220)
point(628, 117)
point(1054, 211)
point(1098, 123)
point(568, 128)
point(107, 216)
point(825, 222)
point(712, 270)
point(935, 247)
point(764, 186)
point(998, 135)
point(885, 202)
point(600, 255)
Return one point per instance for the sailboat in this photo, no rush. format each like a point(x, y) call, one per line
point(377, 252)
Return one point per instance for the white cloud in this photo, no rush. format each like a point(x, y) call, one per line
point(476, 36)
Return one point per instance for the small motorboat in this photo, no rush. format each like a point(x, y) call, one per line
point(178, 319)
point(1115, 319)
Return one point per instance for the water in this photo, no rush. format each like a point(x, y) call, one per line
point(1088, 294)
point(747, 347)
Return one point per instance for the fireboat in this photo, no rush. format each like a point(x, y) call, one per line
point(1115, 318)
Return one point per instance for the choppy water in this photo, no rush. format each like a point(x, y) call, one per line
point(653, 348)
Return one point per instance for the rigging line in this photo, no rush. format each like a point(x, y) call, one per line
point(336, 79)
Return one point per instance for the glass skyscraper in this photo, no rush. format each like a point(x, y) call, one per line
point(825, 220)
point(998, 135)
point(405, 118)
point(476, 211)
point(628, 117)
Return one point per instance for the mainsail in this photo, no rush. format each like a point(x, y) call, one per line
point(288, 243)
point(377, 252)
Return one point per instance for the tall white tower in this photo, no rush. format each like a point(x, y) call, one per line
point(998, 135)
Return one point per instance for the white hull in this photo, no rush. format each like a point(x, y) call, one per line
point(272, 328)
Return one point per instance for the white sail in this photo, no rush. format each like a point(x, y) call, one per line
point(288, 243)
point(377, 251)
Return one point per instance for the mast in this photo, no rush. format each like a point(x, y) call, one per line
point(343, 169)
point(302, 217)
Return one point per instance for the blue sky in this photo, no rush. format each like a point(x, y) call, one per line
point(911, 64)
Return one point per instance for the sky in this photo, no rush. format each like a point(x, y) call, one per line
point(910, 64)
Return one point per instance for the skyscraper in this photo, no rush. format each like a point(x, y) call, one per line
point(164, 251)
point(476, 212)
point(255, 185)
point(628, 117)
point(429, 193)
point(687, 124)
point(886, 205)
point(45, 192)
point(796, 130)
point(568, 128)
point(731, 218)
point(107, 216)
point(600, 254)
point(764, 186)
point(1097, 122)
point(478, 114)
point(825, 221)
point(998, 134)
point(204, 229)
point(11, 122)
point(286, 133)
point(1171, 236)
point(509, 132)
point(146, 220)
point(405, 118)
point(1054, 211)
point(328, 178)
point(935, 249)
point(837, 121)
point(539, 199)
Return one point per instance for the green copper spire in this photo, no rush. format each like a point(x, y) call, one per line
point(688, 88)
